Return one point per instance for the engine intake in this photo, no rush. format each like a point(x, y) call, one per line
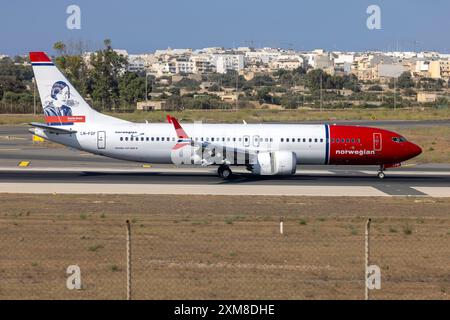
point(275, 163)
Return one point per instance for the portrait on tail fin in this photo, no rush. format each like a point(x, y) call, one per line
point(59, 103)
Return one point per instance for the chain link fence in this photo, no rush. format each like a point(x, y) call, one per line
point(235, 258)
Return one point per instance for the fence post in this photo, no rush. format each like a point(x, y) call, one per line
point(281, 225)
point(367, 256)
point(128, 228)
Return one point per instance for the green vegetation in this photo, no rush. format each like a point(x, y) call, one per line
point(407, 230)
point(114, 268)
point(103, 79)
point(95, 248)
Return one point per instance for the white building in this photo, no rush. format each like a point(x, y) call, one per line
point(136, 63)
point(225, 62)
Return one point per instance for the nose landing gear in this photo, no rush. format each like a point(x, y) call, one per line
point(224, 172)
point(380, 173)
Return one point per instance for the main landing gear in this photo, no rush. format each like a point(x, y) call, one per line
point(380, 173)
point(224, 172)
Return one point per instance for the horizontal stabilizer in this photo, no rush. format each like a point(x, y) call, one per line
point(52, 129)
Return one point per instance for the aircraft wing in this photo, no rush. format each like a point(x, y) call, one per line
point(185, 140)
point(51, 128)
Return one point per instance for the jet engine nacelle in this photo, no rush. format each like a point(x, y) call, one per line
point(275, 163)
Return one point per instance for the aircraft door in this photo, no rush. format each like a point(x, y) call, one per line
point(377, 142)
point(101, 139)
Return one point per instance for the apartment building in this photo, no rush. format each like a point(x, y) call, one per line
point(225, 62)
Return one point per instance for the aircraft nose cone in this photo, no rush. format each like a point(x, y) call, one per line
point(414, 150)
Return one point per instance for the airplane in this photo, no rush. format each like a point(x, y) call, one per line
point(263, 149)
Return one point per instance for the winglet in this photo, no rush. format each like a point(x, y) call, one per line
point(178, 129)
point(181, 134)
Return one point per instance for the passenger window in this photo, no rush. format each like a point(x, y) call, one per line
point(321, 140)
point(147, 139)
point(353, 140)
point(348, 140)
point(315, 140)
point(359, 140)
point(153, 139)
point(212, 139)
point(126, 138)
point(271, 139)
point(121, 139)
point(234, 139)
point(287, 139)
point(282, 140)
point(310, 140)
point(157, 138)
point(142, 138)
point(304, 139)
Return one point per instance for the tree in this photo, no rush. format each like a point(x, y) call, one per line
point(189, 84)
point(375, 88)
point(76, 71)
point(314, 79)
point(107, 66)
point(214, 88)
point(131, 88)
point(405, 81)
point(60, 47)
point(264, 96)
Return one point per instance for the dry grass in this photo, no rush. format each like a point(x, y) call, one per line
point(261, 115)
point(215, 247)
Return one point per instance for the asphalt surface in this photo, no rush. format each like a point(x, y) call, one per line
point(50, 164)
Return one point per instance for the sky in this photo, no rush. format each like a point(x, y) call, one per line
point(141, 26)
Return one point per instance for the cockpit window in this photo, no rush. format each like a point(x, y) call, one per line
point(399, 139)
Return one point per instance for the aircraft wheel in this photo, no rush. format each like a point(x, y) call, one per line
point(381, 175)
point(224, 172)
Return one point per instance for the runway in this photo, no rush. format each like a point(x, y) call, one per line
point(61, 170)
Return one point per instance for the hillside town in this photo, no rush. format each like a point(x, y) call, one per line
point(270, 78)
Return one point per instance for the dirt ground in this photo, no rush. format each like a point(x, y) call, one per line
point(223, 247)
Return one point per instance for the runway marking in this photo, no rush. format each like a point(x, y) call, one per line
point(435, 192)
point(400, 190)
point(182, 189)
point(409, 173)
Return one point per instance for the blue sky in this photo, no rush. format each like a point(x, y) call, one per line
point(142, 26)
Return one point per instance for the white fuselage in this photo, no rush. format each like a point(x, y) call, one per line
point(154, 142)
